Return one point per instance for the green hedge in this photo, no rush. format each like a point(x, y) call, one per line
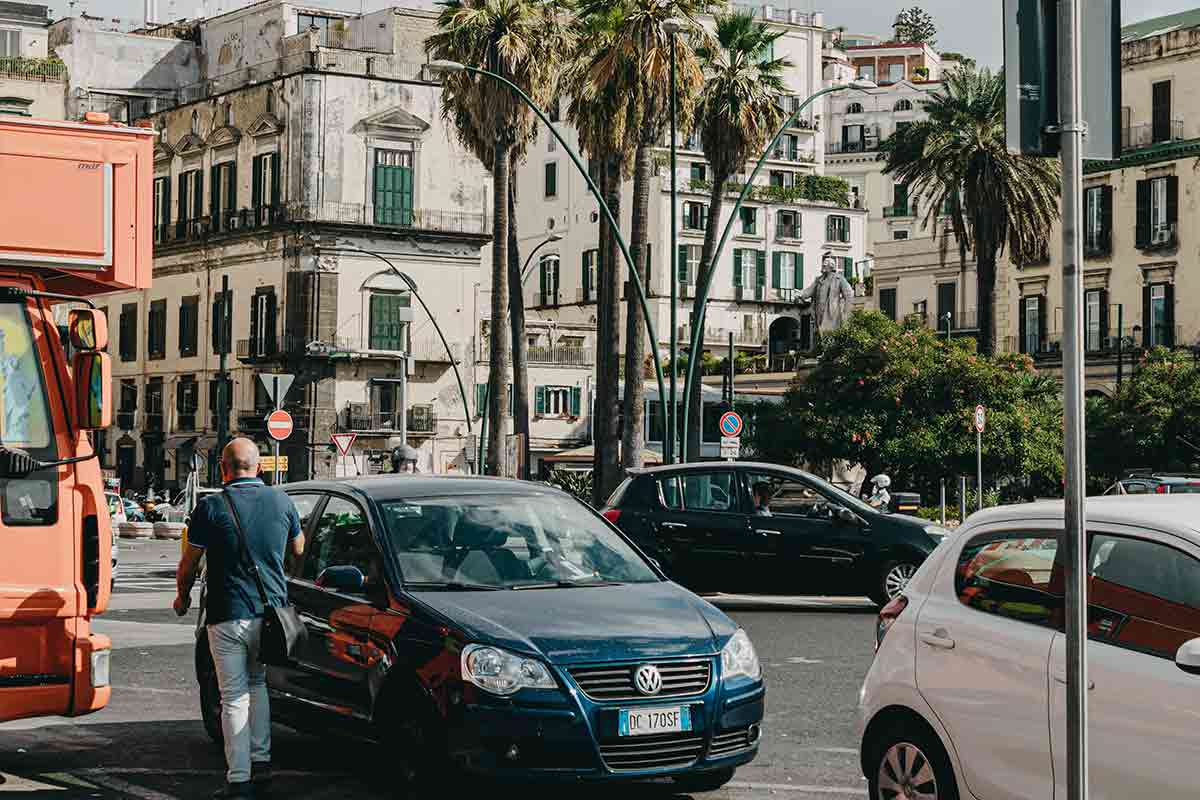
point(812, 188)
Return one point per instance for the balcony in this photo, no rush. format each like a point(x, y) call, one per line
point(42, 70)
point(1097, 244)
point(152, 422)
point(787, 231)
point(1131, 339)
point(1161, 237)
point(550, 356)
point(755, 336)
point(905, 210)
point(255, 351)
point(750, 293)
point(186, 421)
point(868, 145)
point(790, 296)
point(428, 351)
point(421, 419)
point(228, 223)
point(547, 299)
point(1135, 137)
point(417, 219)
point(960, 321)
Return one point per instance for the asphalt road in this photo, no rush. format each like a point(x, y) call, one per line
point(149, 744)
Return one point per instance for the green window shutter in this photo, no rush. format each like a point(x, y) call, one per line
point(703, 217)
point(798, 278)
point(544, 283)
point(776, 261)
point(649, 267)
point(480, 398)
point(848, 267)
point(405, 175)
point(509, 407)
point(576, 400)
point(793, 148)
point(275, 180)
point(681, 266)
point(539, 403)
point(380, 195)
point(737, 268)
point(760, 259)
point(214, 194)
point(257, 187)
point(829, 228)
point(585, 275)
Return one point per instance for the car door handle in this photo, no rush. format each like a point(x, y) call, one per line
point(765, 532)
point(939, 639)
point(1061, 677)
point(674, 524)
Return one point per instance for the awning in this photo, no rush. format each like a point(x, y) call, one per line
point(180, 441)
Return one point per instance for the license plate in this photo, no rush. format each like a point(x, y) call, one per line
point(651, 721)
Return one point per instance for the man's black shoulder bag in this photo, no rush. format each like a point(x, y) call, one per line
point(283, 634)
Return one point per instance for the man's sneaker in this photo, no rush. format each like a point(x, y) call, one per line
point(260, 773)
point(242, 789)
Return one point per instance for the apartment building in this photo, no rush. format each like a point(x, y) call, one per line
point(31, 83)
point(777, 242)
point(1140, 222)
point(311, 169)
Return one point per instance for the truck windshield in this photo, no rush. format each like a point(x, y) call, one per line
point(24, 415)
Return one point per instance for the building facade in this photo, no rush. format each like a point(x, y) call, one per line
point(31, 83)
point(324, 186)
point(1140, 222)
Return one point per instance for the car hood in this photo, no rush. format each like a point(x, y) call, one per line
point(579, 625)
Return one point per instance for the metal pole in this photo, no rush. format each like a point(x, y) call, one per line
point(1074, 541)
point(1120, 343)
point(962, 498)
point(222, 395)
point(732, 371)
point(943, 502)
point(979, 468)
point(482, 430)
point(402, 400)
point(275, 442)
point(672, 427)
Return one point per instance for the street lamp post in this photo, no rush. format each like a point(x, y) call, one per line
point(671, 437)
point(525, 268)
point(702, 291)
point(949, 319)
point(446, 66)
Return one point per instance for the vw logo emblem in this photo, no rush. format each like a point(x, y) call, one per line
point(648, 679)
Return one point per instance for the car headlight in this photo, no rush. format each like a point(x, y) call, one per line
point(738, 658)
point(936, 532)
point(503, 673)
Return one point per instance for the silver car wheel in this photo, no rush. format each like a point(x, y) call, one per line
point(906, 774)
point(897, 578)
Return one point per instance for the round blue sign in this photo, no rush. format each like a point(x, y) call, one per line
point(731, 423)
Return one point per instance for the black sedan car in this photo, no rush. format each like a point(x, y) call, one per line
point(703, 525)
point(504, 628)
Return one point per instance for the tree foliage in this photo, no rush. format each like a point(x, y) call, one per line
point(900, 399)
point(915, 26)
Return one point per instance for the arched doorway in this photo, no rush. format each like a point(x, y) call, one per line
point(782, 335)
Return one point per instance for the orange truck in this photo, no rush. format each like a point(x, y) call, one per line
point(75, 221)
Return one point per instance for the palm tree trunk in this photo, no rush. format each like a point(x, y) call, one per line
point(520, 349)
point(985, 277)
point(608, 344)
point(716, 200)
point(633, 440)
point(498, 350)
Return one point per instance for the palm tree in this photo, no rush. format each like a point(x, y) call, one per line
point(637, 61)
point(737, 116)
point(958, 161)
point(599, 114)
point(518, 39)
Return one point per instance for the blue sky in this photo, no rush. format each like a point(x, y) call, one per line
point(968, 26)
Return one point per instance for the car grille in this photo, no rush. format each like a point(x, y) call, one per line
point(653, 752)
point(724, 744)
point(615, 683)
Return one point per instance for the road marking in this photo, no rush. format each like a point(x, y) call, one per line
point(799, 789)
point(106, 780)
point(803, 660)
point(148, 690)
point(15, 783)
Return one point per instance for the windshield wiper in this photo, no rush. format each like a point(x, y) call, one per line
point(454, 586)
point(564, 584)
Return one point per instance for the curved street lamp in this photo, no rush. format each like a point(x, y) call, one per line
point(525, 269)
point(702, 291)
point(445, 66)
point(412, 287)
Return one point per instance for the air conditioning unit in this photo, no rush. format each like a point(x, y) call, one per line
point(1161, 235)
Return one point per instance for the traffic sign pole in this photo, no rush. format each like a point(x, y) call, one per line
point(275, 445)
point(980, 424)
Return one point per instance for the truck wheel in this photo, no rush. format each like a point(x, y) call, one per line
point(210, 692)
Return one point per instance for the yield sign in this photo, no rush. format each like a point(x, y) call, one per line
point(279, 425)
point(343, 441)
point(272, 381)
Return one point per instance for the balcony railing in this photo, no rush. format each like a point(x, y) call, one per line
point(550, 356)
point(868, 145)
point(907, 210)
point(1137, 136)
point(126, 420)
point(421, 420)
point(152, 421)
point(959, 321)
point(32, 69)
point(749, 337)
point(420, 219)
point(254, 350)
point(772, 13)
point(1132, 338)
point(1161, 237)
point(787, 231)
point(186, 421)
point(226, 223)
point(1097, 243)
point(430, 351)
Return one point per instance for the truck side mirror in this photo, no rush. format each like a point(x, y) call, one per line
point(92, 373)
point(88, 329)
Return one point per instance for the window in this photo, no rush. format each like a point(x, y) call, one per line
point(854, 108)
point(10, 44)
point(749, 221)
point(26, 422)
point(128, 395)
point(712, 491)
point(903, 105)
point(153, 420)
point(899, 235)
point(1012, 574)
point(791, 497)
point(895, 73)
point(787, 270)
point(393, 180)
point(270, 101)
point(947, 306)
point(688, 264)
point(788, 148)
point(1094, 312)
point(162, 208)
point(187, 402)
point(263, 312)
point(780, 179)
point(191, 196)
point(699, 171)
point(837, 228)
point(887, 303)
point(223, 194)
point(548, 268)
point(551, 182)
point(1160, 113)
point(672, 495)
point(189, 325)
point(695, 216)
point(749, 272)
point(557, 401)
point(1097, 205)
point(555, 111)
point(1157, 212)
point(852, 138)
point(128, 332)
point(222, 309)
point(322, 24)
point(787, 225)
point(1144, 596)
point(228, 113)
point(1033, 324)
point(195, 126)
point(156, 333)
point(341, 539)
point(389, 313)
point(265, 187)
point(590, 258)
point(1159, 310)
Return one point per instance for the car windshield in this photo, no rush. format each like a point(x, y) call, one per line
point(507, 542)
point(24, 417)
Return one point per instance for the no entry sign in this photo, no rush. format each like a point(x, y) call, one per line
point(279, 425)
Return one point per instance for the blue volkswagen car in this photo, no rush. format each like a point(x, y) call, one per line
point(504, 629)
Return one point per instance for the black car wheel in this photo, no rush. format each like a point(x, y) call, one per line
point(210, 692)
point(703, 782)
point(411, 728)
point(892, 579)
point(905, 760)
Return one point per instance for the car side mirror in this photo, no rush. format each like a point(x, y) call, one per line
point(92, 373)
point(1187, 658)
point(846, 516)
point(342, 579)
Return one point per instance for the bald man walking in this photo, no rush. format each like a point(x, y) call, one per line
point(234, 609)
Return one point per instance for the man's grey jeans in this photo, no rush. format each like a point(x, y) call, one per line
point(245, 708)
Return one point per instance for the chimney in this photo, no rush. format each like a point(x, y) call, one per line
point(151, 13)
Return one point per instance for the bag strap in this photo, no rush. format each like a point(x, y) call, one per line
point(245, 549)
